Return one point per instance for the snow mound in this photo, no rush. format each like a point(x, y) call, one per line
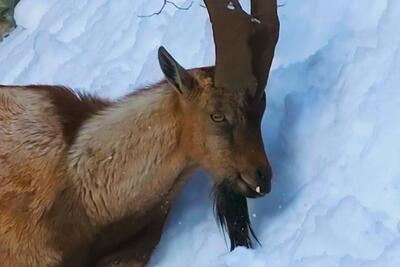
point(331, 130)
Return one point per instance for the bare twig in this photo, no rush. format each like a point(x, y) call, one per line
point(279, 5)
point(165, 3)
point(179, 7)
point(168, 2)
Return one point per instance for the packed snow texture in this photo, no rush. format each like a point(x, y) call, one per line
point(331, 129)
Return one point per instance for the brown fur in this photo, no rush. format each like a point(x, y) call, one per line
point(82, 178)
point(72, 108)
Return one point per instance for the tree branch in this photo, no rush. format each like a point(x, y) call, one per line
point(165, 3)
point(168, 2)
point(279, 5)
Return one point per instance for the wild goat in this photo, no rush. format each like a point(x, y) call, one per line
point(83, 178)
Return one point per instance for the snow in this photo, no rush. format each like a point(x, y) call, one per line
point(331, 130)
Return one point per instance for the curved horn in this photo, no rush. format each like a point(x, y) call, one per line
point(264, 39)
point(244, 43)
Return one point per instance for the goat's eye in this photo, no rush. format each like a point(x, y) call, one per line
point(218, 117)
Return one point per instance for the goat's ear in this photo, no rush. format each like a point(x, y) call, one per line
point(176, 75)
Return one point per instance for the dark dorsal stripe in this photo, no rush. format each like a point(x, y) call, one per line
point(72, 108)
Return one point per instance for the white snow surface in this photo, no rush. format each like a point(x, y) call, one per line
point(331, 130)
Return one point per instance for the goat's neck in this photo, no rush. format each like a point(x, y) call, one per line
point(128, 159)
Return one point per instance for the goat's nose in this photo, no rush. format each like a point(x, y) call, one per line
point(264, 176)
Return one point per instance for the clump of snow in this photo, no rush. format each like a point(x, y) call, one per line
point(331, 129)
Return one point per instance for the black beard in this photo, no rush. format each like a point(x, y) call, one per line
point(232, 213)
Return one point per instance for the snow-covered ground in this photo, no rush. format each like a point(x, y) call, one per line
point(332, 129)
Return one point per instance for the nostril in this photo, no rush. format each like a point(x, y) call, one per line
point(261, 180)
point(264, 176)
point(262, 173)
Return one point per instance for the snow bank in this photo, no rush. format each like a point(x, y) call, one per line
point(331, 129)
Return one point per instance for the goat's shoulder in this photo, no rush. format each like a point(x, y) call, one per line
point(71, 109)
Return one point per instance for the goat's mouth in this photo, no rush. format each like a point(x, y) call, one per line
point(250, 189)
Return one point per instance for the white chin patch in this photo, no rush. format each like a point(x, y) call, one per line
point(258, 189)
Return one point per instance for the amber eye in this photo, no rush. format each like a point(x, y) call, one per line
point(218, 117)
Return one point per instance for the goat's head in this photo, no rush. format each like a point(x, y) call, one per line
point(223, 106)
point(221, 128)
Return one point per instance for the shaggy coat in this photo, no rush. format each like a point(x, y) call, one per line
point(66, 193)
point(86, 182)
